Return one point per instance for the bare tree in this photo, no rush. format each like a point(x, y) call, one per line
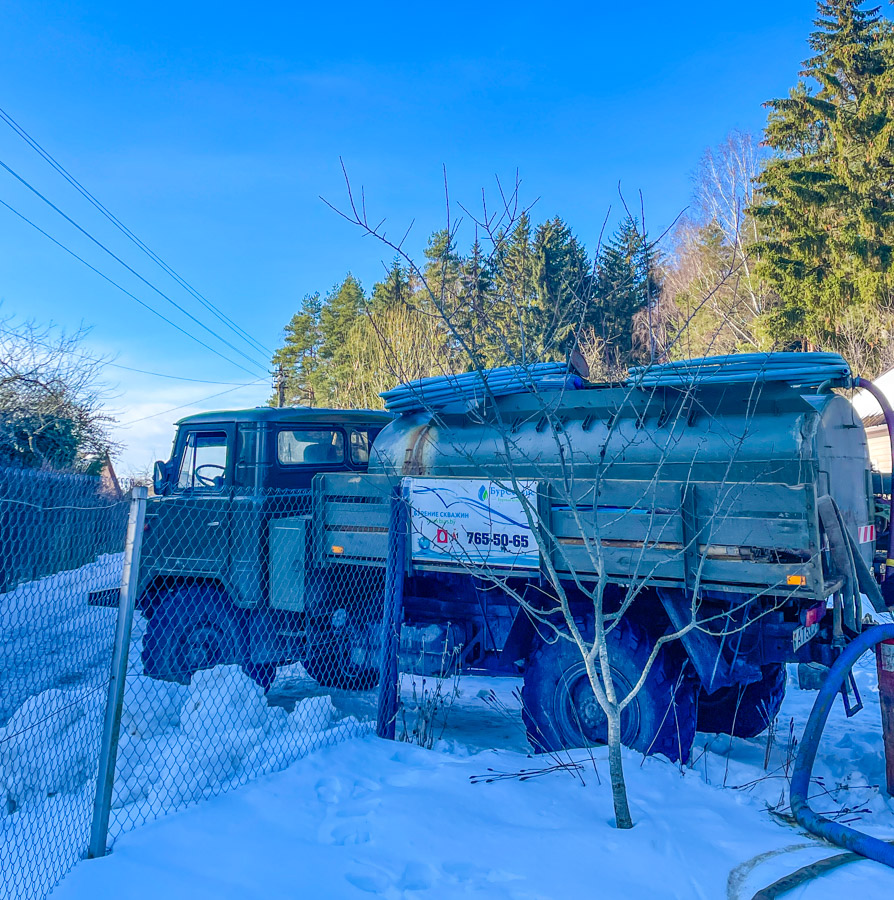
point(710, 275)
point(611, 539)
point(51, 398)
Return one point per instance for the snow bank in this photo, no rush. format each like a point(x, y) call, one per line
point(50, 636)
point(48, 746)
point(377, 819)
point(180, 743)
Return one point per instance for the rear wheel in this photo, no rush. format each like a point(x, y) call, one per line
point(560, 709)
point(196, 627)
point(744, 710)
point(344, 654)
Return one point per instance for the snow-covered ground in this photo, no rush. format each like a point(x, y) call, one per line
point(376, 818)
point(178, 744)
point(369, 817)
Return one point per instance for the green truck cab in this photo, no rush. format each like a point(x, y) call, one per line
point(226, 573)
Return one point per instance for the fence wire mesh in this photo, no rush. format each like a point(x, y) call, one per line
point(234, 603)
point(248, 650)
point(61, 543)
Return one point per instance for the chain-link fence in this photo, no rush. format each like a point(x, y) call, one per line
point(61, 546)
point(247, 648)
point(235, 602)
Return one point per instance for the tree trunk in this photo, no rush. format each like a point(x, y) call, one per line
point(616, 771)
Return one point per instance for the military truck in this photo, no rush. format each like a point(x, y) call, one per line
point(226, 572)
point(745, 498)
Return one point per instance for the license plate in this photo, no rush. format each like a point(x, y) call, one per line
point(804, 633)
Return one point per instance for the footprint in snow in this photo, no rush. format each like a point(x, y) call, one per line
point(329, 789)
point(417, 876)
point(364, 786)
point(370, 880)
point(347, 833)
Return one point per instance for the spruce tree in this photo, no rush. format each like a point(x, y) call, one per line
point(825, 205)
point(562, 284)
point(394, 290)
point(625, 286)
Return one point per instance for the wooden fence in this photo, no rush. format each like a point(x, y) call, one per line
point(52, 522)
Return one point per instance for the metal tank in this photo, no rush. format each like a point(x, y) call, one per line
point(760, 455)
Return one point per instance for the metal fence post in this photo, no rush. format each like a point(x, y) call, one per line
point(108, 753)
point(392, 616)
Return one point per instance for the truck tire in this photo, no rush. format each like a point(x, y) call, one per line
point(744, 711)
point(560, 710)
point(346, 658)
point(196, 627)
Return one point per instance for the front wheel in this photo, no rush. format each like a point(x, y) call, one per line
point(560, 709)
point(196, 627)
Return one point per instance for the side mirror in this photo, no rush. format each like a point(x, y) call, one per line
point(159, 477)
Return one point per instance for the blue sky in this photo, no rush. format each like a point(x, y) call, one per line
point(211, 130)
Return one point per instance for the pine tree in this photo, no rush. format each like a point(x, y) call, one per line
point(825, 206)
point(343, 310)
point(297, 359)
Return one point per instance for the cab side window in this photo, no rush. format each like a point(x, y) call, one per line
point(203, 464)
point(297, 447)
point(361, 443)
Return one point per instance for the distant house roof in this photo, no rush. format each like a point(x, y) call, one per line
point(865, 403)
point(874, 420)
point(109, 480)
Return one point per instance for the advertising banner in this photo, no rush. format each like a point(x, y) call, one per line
point(472, 522)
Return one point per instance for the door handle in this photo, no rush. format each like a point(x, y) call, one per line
point(212, 524)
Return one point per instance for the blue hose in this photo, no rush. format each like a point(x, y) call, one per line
point(850, 839)
point(437, 392)
point(805, 369)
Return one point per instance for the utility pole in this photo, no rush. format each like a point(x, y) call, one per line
point(279, 382)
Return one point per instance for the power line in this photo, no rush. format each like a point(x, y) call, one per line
point(174, 377)
point(223, 317)
point(124, 290)
point(133, 271)
point(98, 360)
point(164, 412)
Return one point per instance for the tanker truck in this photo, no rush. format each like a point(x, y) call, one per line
point(727, 501)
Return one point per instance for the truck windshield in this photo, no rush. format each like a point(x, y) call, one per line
point(309, 447)
point(203, 465)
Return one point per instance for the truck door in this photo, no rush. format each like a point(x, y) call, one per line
point(194, 524)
